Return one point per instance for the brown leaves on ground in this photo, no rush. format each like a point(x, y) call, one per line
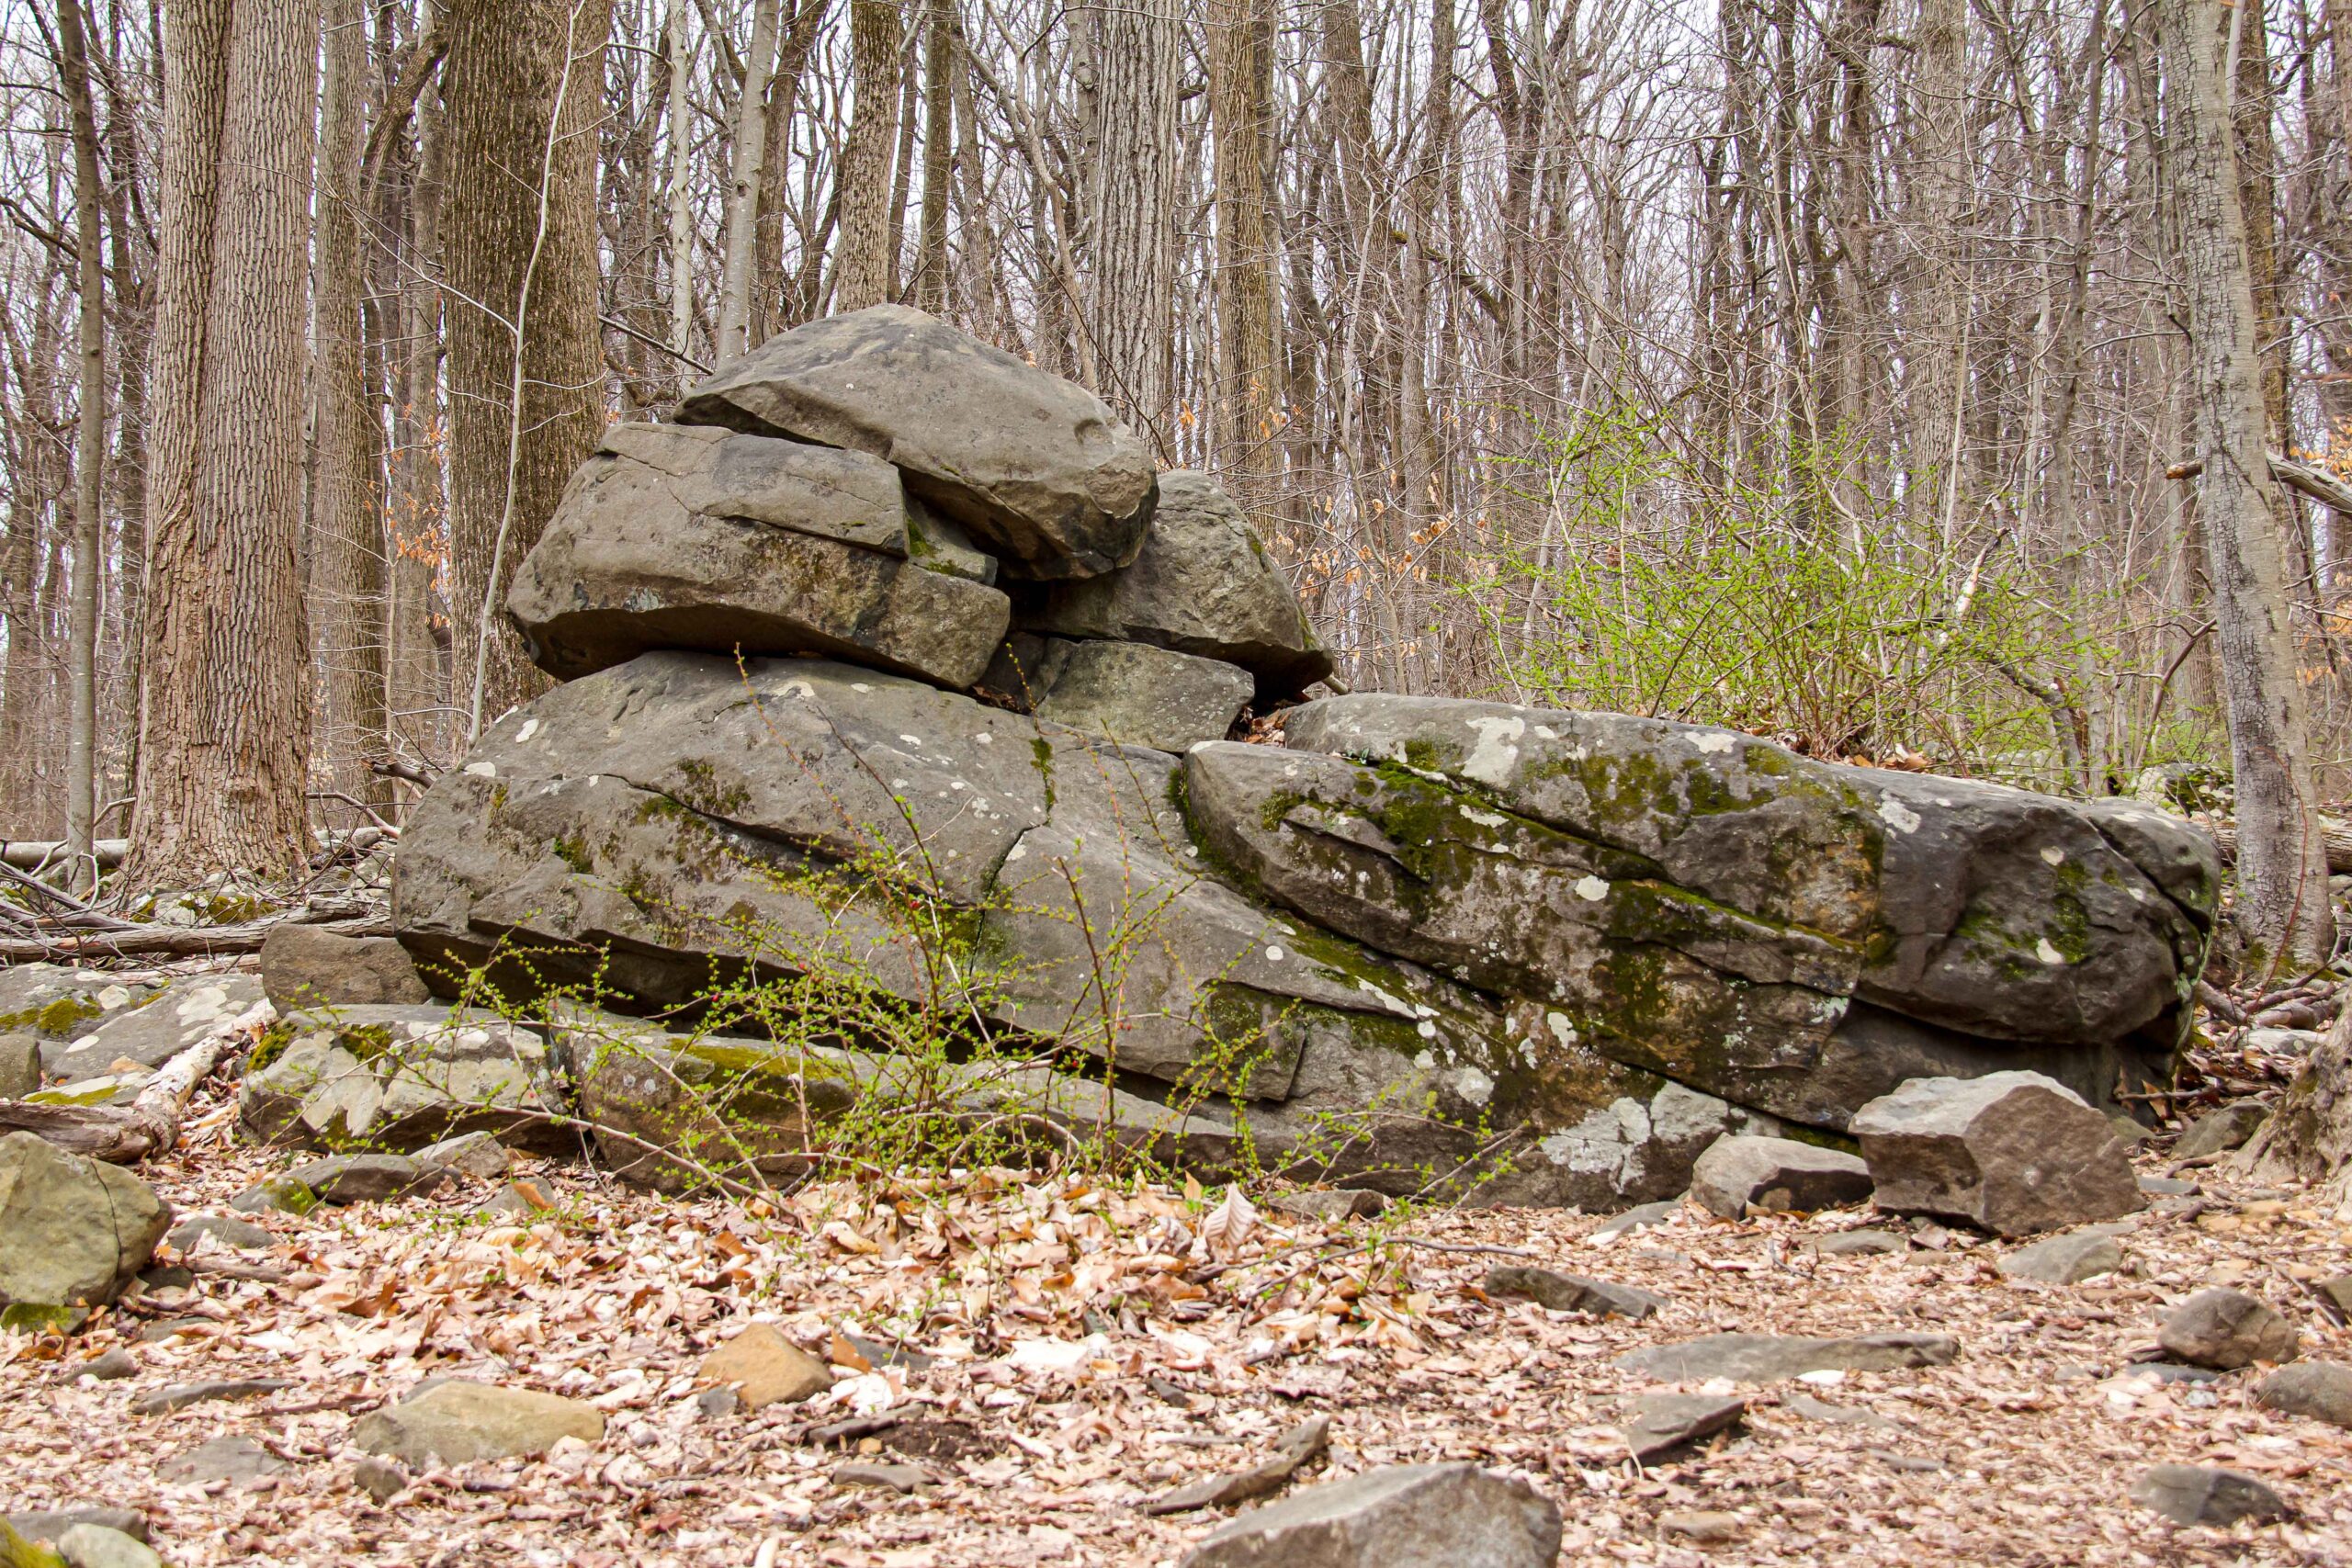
point(1087, 1348)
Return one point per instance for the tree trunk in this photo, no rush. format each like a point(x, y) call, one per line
point(938, 155)
point(2282, 902)
point(1241, 112)
point(225, 712)
point(2309, 1136)
point(347, 524)
point(89, 450)
point(1137, 49)
point(524, 91)
point(744, 186)
point(1942, 173)
point(677, 192)
point(861, 276)
point(418, 677)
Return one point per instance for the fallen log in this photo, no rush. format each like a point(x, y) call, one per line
point(2337, 835)
point(70, 945)
point(25, 854)
point(150, 1124)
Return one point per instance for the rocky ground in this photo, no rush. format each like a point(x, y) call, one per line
point(1041, 1361)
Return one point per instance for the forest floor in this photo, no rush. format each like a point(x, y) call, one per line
point(1047, 1413)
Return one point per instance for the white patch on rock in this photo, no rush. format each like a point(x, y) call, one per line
point(1474, 1086)
point(801, 689)
point(1493, 758)
point(859, 686)
point(530, 727)
point(1562, 1030)
point(910, 740)
point(1713, 744)
point(985, 738)
point(2047, 953)
point(482, 770)
point(1484, 818)
point(1426, 1030)
point(1274, 955)
point(1897, 816)
point(2055, 857)
point(1591, 889)
point(1016, 852)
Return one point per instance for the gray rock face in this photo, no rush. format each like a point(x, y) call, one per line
point(1037, 469)
point(679, 537)
point(2320, 1390)
point(1201, 584)
point(1660, 1423)
point(220, 1231)
point(72, 1230)
point(469, 1153)
point(56, 1002)
point(308, 966)
point(2205, 1495)
point(1768, 1358)
point(1143, 695)
point(2013, 1152)
point(458, 1423)
point(400, 1078)
point(2222, 1129)
point(90, 1545)
point(366, 1178)
point(2065, 1260)
point(157, 1030)
point(1739, 1173)
point(1571, 1292)
point(1418, 1516)
point(43, 1526)
point(232, 1458)
point(19, 1065)
point(2227, 1329)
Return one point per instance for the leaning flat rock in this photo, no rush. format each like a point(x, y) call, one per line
point(308, 966)
point(2227, 1329)
point(1143, 695)
point(154, 1033)
point(2320, 1390)
point(1201, 584)
point(72, 1230)
point(2014, 1152)
point(2206, 1494)
point(468, 1153)
point(1660, 1423)
point(400, 1078)
point(766, 1369)
point(1740, 1173)
point(222, 1232)
point(1039, 470)
point(180, 1395)
point(2065, 1260)
point(1766, 1358)
point(459, 1423)
point(366, 1178)
point(1417, 1515)
point(2222, 1129)
point(233, 1458)
point(1571, 1292)
point(685, 537)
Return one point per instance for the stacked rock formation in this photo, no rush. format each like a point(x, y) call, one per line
point(894, 661)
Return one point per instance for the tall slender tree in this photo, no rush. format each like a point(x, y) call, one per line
point(861, 276)
point(89, 446)
point(1135, 51)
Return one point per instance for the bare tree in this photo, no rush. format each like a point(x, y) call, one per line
point(861, 276)
point(89, 447)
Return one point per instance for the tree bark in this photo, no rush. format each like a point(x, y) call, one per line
point(225, 712)
point(524, 90)
point(1136, 47)
point(744, 186)
point(861, 276)
point(938, 155)
point(89, 449)
point(2309, 1136)
point(676, 193)
point(2283, 908)
point(1241, 113)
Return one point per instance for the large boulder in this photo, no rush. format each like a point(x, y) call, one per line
point(1135, 693)
point(1201, 584)
point(307, 967)
point(1793, 936)
point(74, 1232)
point(400, 1078)
point(693, 537)
point(2012, 1152)
point(1037, 469)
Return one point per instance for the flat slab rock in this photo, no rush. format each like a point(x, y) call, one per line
point(459, 1423)
point(2320, 1390)
point(1768, 1358)
point(56, 1002)
point(308, 966)
point(1659, 1423)
point(1778, 1175)
point(400, 1078)
point(2064, 1259)
point(1135, 693)
point(1037, 469)
point(1571, 1292)
point(2207, 1495)
point(2227, 1329)
point(155, 1031)
point(2015, 1153)
point(1420, 1515)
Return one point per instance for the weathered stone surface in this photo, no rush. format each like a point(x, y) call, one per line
point(1660, 1423)
point(275, 1194)
point(2012, 1152)
point(309, 966)
point(58, 1002)
point(399, 1077)
point(87, 1545)
point(766, 1368)
point(899, 1478)
point(1642, 1216)
point(2320, 1390)
point(684, 537)
point(2227, 1329)
point(1856, 1243)
point(1039, 470)
point(1144, 697)
point(180, 1395)
point(1571, 1292)
point(2206, 1494)
point(43, 1526)
point(1345, 1203)
point(459, 1423)
point(2222, 1129)
point(74, 1232)
point(468, 1153)
point(236, 1459)
point(1790, 935)
point(366, 1178)
point(1201, 584)
point(1418, 1516)
point(1738, 1173)
point(19, 1065)
point(220, 1231)
point(157, 1030)
point(2065, 1260)
point(1766, 1358)
point(380, 1478)
point(1294, 1448)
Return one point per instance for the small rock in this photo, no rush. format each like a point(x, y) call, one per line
point(880, 1354)
point(1571, 1292)
point(2220, 1130)
point(471, 1154)
point(459, 1423)
point(896, 1477)
point(380, 1478)
point(1706, 1526)
point(234, 1460)
point(2013, 1153)
point(1742, 1171)
point(276, 1195)
point(307, 966)
point(44, 1526)
point(718, 1402)
point(1661, 1423)
point(2171, 1372)
point(1293, 1450)
point(169, 1327)
point(1768, 1358)
point(19, 1065)
point(2167, 1187)
point(178, 1396)
point(1856, 1243)
point(515, 1200)
point(1814, 1409)
point(365, 1178)
point(220, 1229)
point(2228, 1330)
point(150, 1035)
point(2064, 1259)
point(1347, 1204)
point(2206, 1494)
point(116, 1364)
point(2336, 1290)
point(95, 1546)
point(166, 1277)
point(74, 1232)
point(1413, 1515)
point(1639, 1217)
point(767, 1368)
point(2320, 1390)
